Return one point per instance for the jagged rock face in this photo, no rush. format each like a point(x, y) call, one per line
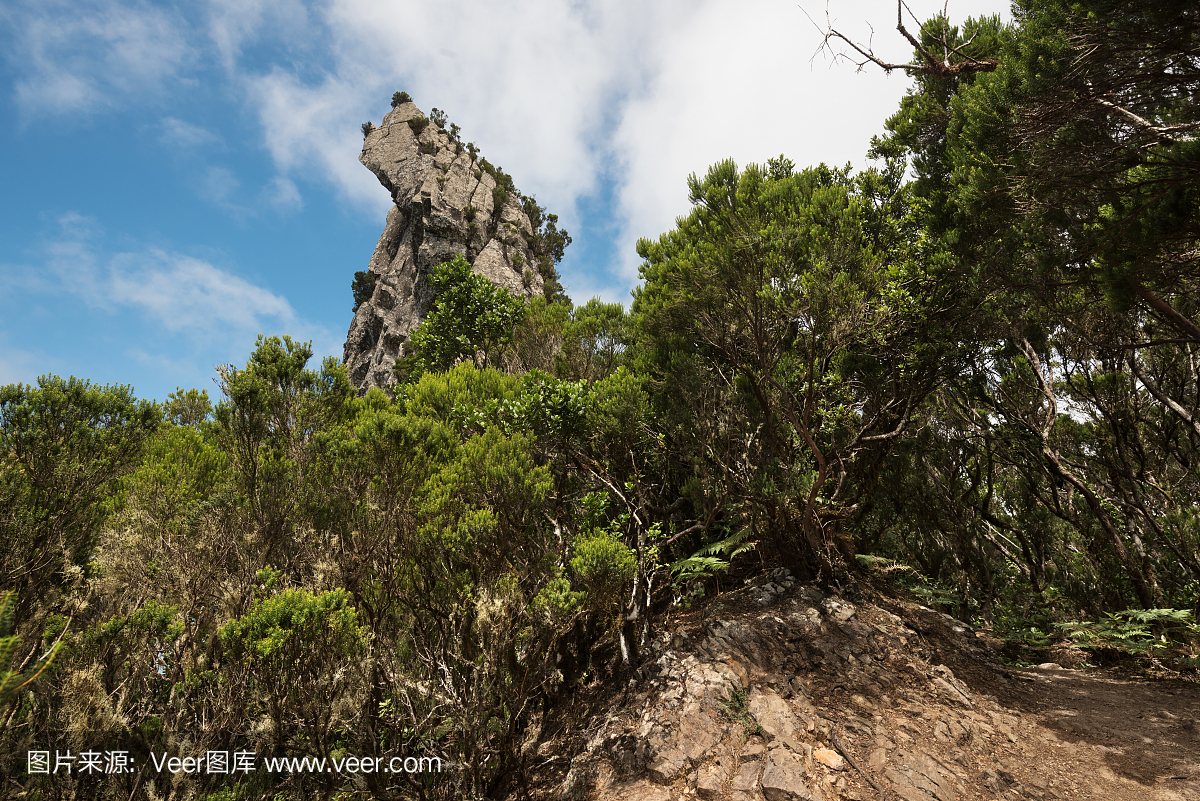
point(443, 208)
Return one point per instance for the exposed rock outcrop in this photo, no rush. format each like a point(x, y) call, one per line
point(780, 692)
point(445, 205)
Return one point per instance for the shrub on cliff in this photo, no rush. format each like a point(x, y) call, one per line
point(363, 286)
point(471, 318)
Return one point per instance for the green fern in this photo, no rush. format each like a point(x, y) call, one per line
point(881, 564)
point(712, 558)
point(1132, 630)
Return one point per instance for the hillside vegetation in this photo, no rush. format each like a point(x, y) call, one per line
point(971, 371)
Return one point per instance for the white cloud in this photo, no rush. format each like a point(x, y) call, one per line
point(217, 185)
point(310, 127)
point(182, 293)
point(148, 315)
point(281, 195)
point(232, 24)
point(81, 56)
point(178, 293)
point(735, 80)
point(532, 82)
point(573, 99)
point(177, 133)
point(567, 96)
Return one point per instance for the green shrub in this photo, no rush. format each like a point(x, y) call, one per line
point(428, 148)
point(736, 709)
point(280, 628)
point(438, 117)
point(400, 98)
point(363, 287)
point(367, 127)
point(12, 681)
point(604, 565)
point(418, 124)
point(471, 316)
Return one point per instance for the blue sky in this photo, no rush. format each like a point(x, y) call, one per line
point(179, 178)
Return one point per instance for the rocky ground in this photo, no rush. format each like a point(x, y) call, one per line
point(779, 692)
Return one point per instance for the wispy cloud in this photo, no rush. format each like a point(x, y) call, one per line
point(178, 293)
point(16, 365)
point(233, 24)
point(218, 185)
point(221, 187)
point(282, 195)
point(177, 133)
point(83, 56)
point(181, 293)
point(133, 312)
point(309, 128)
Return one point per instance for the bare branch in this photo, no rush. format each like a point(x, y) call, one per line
point(1164, 133)
point(932, 65)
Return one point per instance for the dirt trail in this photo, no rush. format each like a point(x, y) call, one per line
point(1110, 738)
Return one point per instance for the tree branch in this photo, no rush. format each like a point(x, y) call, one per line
point(932, 66)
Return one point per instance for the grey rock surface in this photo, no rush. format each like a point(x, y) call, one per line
point(784, 779)
point(442, 207)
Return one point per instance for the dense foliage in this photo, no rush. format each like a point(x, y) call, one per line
point(981, 384)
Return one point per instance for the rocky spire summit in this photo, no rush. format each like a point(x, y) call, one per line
point(448, 201)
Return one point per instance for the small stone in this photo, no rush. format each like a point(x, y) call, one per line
point(747, 778)
point(773, 714)
point(862, 703)
point(829, 758)
point(783, 780)
point(668, 766)
point(697, 734)
point(709, 783)
point(838, 609)
point(753, 748)
point(952, 693)
point(739, 670)
point(917, 777)
point(644, 791)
